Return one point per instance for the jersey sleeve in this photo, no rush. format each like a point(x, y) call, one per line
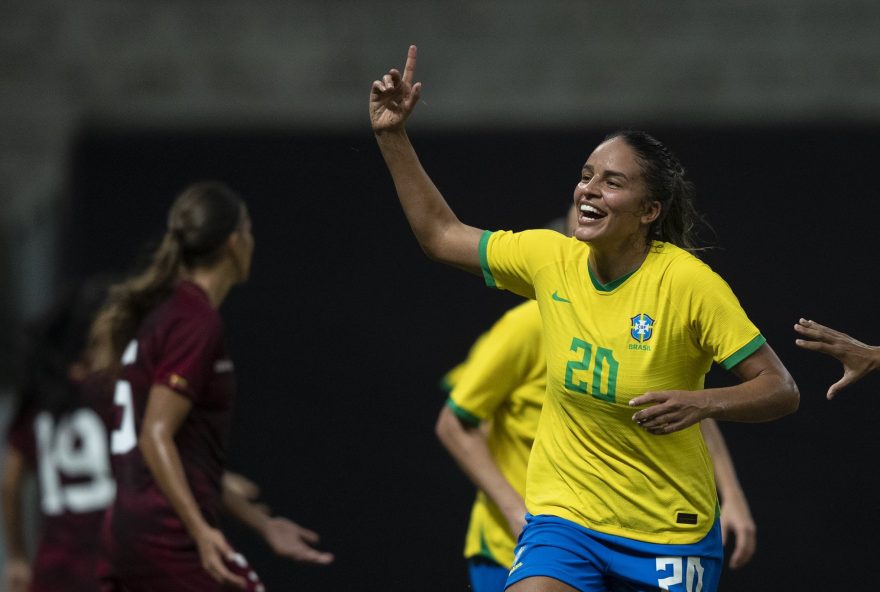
point(499, 363)
point(721, 325)
point(512, 260)
point(188, 352)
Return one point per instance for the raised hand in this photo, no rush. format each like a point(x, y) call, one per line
point(393, 98)
point(857, 358)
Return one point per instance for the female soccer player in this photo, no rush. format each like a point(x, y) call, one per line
point(175, 396)
point(619, 487)
point(60, 433)
point(488, 426)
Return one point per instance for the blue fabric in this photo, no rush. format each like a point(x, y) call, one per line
point(592, 561)
point(486, 575)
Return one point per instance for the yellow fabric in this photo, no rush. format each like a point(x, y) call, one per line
point(502, 382)
point(590, 462)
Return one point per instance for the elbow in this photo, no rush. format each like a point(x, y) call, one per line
point(441, 429)
point(789, 396)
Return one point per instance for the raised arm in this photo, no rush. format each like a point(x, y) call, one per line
point(858, 358)
point(442, 236)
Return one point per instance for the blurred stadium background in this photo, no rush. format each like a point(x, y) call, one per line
point(108, 108)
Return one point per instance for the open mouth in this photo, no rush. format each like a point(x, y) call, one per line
point(591, 212)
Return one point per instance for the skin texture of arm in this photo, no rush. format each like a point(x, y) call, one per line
point(17, 571)
point(165, 413)
point(767, 392)
point(284, 536)
point(439, 232)
point(736, 518)
point(468, 446)
point(858, 358)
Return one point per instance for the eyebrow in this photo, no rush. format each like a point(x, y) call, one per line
point(608, 173)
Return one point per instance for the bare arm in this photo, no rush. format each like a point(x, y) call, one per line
point(467, 445)
point(284, 536)
point(767, 392)
point(17, 571)
point(437, 229)
point(165, 413)
point(858, 358)
point(736, 518)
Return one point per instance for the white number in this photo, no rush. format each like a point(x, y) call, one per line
point(76, 447)
point(694, 575)
point(124, 438)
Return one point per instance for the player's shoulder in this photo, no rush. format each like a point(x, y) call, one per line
point(677, 263)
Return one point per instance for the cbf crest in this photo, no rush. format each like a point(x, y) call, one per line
point(642, 327)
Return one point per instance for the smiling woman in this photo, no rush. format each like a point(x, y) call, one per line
point(632, 490)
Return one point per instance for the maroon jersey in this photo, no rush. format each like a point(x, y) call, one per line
point(180, 346)
point(70, 456)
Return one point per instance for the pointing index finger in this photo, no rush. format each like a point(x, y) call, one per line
point(409, 69)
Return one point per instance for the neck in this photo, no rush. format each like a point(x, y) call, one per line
point(610, 263)
point(214, 281)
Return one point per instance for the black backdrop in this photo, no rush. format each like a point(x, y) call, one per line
point(345, 327)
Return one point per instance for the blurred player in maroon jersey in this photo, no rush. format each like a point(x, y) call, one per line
point(60, 432)
point(174, 398)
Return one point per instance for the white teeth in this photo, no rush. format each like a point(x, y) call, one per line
point(588, 209)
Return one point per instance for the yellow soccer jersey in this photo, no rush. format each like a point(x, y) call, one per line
point(659, 328)
point(502, 382)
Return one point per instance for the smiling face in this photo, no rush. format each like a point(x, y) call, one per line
point(612, 198)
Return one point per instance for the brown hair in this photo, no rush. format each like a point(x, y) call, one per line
point(199, 222)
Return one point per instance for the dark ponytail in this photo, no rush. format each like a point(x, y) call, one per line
point(199, 222)
point(679, 221)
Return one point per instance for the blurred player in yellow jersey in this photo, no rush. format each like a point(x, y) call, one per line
point(488, 425)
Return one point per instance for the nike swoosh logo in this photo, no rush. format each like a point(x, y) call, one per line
point(559, 298)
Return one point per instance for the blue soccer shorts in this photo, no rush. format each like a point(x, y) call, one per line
point(592, 561)
point(486, 575)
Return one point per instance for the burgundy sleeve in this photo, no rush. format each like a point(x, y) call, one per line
point(189, 349)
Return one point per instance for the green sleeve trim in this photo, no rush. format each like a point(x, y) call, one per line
point(484, 261)
point(463, 414)
point(445, 384)
point(744, 352)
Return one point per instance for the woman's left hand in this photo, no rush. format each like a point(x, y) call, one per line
point(289, 539)
point(669, 411)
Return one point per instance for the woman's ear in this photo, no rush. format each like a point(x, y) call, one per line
point(651, 212)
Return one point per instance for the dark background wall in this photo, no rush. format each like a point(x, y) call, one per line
point(345, 327)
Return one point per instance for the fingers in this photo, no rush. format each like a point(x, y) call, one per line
point(409, 69)
point(219, 572)
point(840, 384)
point(743, 550)
point(309, 535)
point(818, 346)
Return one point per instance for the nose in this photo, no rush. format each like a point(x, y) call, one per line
point(589, 187)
